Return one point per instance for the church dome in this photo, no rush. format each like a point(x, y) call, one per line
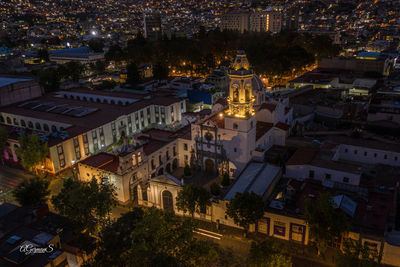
point(257, 84)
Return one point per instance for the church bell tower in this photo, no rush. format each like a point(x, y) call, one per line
point(241, 97)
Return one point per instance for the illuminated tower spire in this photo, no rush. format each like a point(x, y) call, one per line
point(240, 88)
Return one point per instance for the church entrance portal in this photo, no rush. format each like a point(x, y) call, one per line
point(168, 203)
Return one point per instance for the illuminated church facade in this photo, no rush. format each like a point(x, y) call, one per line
point(246, 127)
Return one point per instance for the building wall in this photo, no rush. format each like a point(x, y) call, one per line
point(368, 155)
point(301, 172)
point(18, 92)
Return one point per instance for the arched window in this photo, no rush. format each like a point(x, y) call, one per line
point(168, 202)
point(30, 124)
point(84, 98)
point(112, 102)
point(1, 119)
point(247, 95)
point(139, 156)
point(120, 102)
point(53, 128)
point(15, 121)
point(235, 126)
point(91, 99)
point(8, 120)
point(133, 160)
point(23, 124)
point(46, 127)
point(236, 94)
point(38, 126)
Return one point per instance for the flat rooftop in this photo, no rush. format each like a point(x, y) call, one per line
point(7, 80)
point(83, 116)
point(257, 177)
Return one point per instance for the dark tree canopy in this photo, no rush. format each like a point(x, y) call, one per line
point(85, 203)
point(31, 192)
point(152, 238)
point(193, 199)
point(355, 254)
point(245, 209)
point(133, 74)
point(269, 253)
point(3, 140)
point(32, 151)
point(325, 222)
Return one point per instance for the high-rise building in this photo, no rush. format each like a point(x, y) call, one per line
point(266, 21)
point(235, 21)
point(152, 26)
point(242, 21)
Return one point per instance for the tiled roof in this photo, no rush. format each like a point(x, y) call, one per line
point(283, 126)
point(270, 106)
point(262, 128)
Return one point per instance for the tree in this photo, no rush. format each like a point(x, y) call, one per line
point(31, 192)
point(50, 79)
point(115, 53)
point(74, 70)
point(32, 151)
point(96, 44)
point(116, 239)
point(152, 238)
point(325, 222)
point(245, 209)
point(269, 253)
point(187, 171)
point(133, 74)
point(215, 189)
point(85, 203)
point(355, 254)
point(160, 71)
point(225, 179)
point(193, 199)
point(3, 141)
point(43, 54)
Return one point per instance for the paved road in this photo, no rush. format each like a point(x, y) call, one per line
point(11, 177)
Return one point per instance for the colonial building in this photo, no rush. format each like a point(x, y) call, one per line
point(80, 123)
point(226, 140)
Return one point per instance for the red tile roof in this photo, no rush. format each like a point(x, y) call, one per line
point(283, 126)
point(262, 128)
point(103, 161)
point(302, 156)
point(270, 106)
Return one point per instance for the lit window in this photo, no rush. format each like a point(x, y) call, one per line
point(134, 160)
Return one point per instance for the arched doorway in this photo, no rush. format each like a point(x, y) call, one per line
point(168, 168)
point(168, 203)
point(161, 171)
point(209, 165)
point(174, 164)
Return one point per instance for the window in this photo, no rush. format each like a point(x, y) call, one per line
point(385, 157)
point(133, 160)
point(113, 125)
point(346, 150)
point(375, 155)
point(159, 160)
point(94, 134)
point(101, 132)
point(8, 120)
point(355, 152)
point(365, 153)
point(85, 140)
point(311, 174)
point(46, 127)
point(23, 123)
point(15, 121)
point(346, 179)
point(395, 158)
point(30, 125)
point(1, 119)
point(53, 128)
point(139, 155)
point(235, 126)
point(153, 166)
point(59, 149)
point(279, 228)
point(186, 157)
point(174, 151)
point(185, 147)
point(235, 149)
point(328, 176)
